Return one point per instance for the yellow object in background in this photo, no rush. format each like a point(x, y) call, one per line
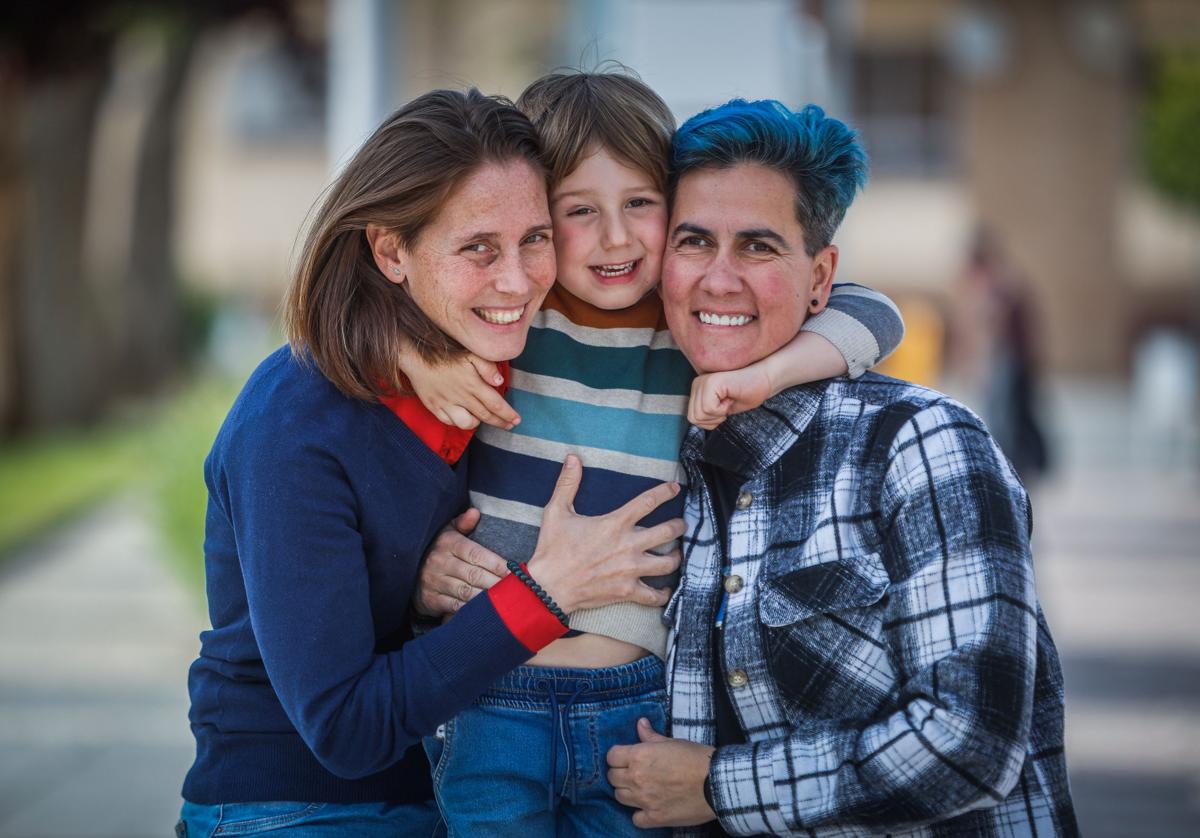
point(919, 356)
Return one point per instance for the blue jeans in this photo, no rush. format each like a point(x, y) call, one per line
point(311, 820)
point(528, 758)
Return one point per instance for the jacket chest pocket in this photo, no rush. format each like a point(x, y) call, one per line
point(824, 639)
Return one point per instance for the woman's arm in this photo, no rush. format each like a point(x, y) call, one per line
point(308, 588)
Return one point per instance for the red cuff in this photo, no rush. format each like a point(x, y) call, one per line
point(524, 614)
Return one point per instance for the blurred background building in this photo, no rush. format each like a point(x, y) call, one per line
point(1034, 206)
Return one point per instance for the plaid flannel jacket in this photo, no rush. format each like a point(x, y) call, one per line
point(885, 653)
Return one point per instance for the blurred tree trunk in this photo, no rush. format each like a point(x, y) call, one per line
point(152, 350)
point(61, 362)
point(10, 191)
point(89, 297)
point(130, 211)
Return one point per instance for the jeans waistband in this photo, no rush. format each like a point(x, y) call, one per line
point(608, 683)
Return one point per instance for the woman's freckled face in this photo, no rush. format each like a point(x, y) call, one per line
point(482, 267)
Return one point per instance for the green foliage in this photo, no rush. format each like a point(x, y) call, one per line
point(1171, 134)
point(47, 479)
point(180, 441)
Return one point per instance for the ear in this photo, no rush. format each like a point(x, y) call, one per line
point(820, 279)
point(389, 253)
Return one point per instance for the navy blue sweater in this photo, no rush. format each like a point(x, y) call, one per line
point(310, 685)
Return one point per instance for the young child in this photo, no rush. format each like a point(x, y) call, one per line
point(600, 377)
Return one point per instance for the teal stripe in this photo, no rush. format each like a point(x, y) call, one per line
point(613, 428)
point(664, 372)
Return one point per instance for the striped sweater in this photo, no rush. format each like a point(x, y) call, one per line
point(612, 387)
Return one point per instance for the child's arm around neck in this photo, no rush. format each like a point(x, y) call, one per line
point(858, 328)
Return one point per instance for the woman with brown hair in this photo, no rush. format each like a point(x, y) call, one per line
point(326, 484)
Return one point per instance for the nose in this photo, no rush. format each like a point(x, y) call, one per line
point(512, 276)
point(616, 232)
point(721, 277)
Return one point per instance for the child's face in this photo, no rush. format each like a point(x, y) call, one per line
point(610, 225)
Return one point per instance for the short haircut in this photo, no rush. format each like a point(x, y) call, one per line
point(574, 112)
point(340, 309)
point(820, 154)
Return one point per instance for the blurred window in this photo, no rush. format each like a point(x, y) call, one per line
point(278, 96)
point(903, 105)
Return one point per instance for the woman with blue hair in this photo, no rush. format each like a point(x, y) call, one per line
point(857, 644)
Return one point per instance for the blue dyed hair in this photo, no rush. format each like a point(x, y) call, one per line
point(820, 154)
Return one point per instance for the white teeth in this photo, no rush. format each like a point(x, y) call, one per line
point(609, 271)
point(501, 316)
point(711, 319)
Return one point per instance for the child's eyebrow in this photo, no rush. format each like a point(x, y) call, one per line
point(574, 193)
point(587, 193)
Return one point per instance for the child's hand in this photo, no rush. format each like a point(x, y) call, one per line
point(718, 395)
point(461, 392)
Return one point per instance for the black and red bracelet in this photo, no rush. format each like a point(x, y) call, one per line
point(522, 574)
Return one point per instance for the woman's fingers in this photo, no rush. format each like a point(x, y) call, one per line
point(660, 534)
point(643, 594)
point(466, 522)
point(648, 501)
point(456, 569)
point(567, 485)
point(468, 561)
point(655, 564)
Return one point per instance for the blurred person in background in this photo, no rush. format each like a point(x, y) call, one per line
point(326, 484)
point(992, 360)
point(858, 646)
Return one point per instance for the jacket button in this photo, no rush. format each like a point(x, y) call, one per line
point(738, 678)
point(733, 583)
point(744, 499)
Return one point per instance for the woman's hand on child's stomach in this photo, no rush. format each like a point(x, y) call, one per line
point(718, 395)
point(461, 392)
point(587, 561)
point(456, 569)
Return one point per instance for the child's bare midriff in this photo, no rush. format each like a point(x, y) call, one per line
point(588, 651)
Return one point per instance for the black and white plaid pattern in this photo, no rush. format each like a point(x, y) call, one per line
point(898, 673)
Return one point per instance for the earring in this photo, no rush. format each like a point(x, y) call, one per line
point(395, 270)
point(816, 303)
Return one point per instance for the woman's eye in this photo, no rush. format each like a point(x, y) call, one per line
point(580, 211)
point(636, 203)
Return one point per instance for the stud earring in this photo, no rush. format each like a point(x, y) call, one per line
point(816, 303)
point(395, 270)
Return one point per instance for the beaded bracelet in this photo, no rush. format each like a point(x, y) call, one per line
point(522, 574)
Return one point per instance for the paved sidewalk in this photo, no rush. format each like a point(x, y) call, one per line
point(1117, 554)
point(95, 640)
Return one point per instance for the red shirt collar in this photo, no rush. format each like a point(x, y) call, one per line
point(447, 441)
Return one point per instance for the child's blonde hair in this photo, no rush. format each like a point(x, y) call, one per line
point(576, 111)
